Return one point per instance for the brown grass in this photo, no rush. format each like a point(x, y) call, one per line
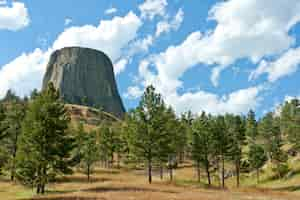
point(131, 185)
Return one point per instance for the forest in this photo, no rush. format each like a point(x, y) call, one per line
point(38, 142)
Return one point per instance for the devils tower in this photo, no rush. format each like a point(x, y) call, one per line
point(85, 77)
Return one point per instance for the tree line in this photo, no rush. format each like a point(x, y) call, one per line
point(39, 144)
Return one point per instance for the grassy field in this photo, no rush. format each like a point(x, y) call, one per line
point(132, 184)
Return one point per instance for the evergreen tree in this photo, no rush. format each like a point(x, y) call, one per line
point(221, 142)
point(236, 131)
point(251, 126)
point(147, 129)
point(45, 145)
point(171, 141)
point(80, 136)
point(257, 158)
point(3, 126)
point(202, 145)
point(269, 127)
point(107, 143)
point(13, 121)
point(290, 122)
point(89, 153)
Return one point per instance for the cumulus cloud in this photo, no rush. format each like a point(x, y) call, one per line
point(244, 29)
point(120, 66)
point(133, 92)
point(14, 17)
point(285, 65)
point(151, 8)
point(166, 26)
point(237, 102)
point(26, 71)
point(111, 11)
point(105, 37)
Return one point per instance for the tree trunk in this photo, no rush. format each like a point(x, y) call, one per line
point(43, 188)
point(88, 172)
point(38, 189)
point(161, 172)
point(171, 174)
point(237, 173)
point(223, 172)
point(149, 171)
point(208, 176)
point(198, 172)
point(257, 175)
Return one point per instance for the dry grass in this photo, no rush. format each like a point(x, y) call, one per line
point(131, 185)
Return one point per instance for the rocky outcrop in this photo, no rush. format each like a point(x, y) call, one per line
point(85, 77)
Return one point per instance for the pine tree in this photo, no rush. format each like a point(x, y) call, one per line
point(290, 122)
point(45, 145)
point(236, 130)
point(221, 142)
point(3, 126)
point(89, 153)
point(147, 129)
point(251, 126)
point(269, 127)
point(202, 145)
point(257, 158)
point(15, 114)
point(107, 143)
point(80, 136)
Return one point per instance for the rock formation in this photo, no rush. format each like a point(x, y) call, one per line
point(85, 77)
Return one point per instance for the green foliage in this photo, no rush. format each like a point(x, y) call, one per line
point(202, 143)
point(45, 145)
point(251, 126)
point(257, 158)
point(89, 153)
point(290, 122)
point(108, 143)
point(269, 127)
point(236, 131)
point(149, 138)
point(15, 114)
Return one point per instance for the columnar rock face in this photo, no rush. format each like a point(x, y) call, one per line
point(85, 77)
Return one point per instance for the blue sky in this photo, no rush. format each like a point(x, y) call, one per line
point(218, 56)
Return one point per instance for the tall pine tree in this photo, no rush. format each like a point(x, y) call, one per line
point(45, 145)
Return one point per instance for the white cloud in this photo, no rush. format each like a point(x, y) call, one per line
point(288, 98)
point(133, 92)
point(68, 21)
point(3, 2)
point(151, 8)
point(111, 11)
point(15, 17)
point(26, 71)
point(120, 66)
point(285, 65)
point(237, 102)
point(140, 45)
point(244, 29)
point(166, 26)
point(105, 37)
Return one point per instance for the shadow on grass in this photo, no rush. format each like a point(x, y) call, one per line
point(292, 188)
point(107, 171)
point(80, 179)
point(67, 198)
point(126, 189)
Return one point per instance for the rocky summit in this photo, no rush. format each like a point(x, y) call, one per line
point(85, 77)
